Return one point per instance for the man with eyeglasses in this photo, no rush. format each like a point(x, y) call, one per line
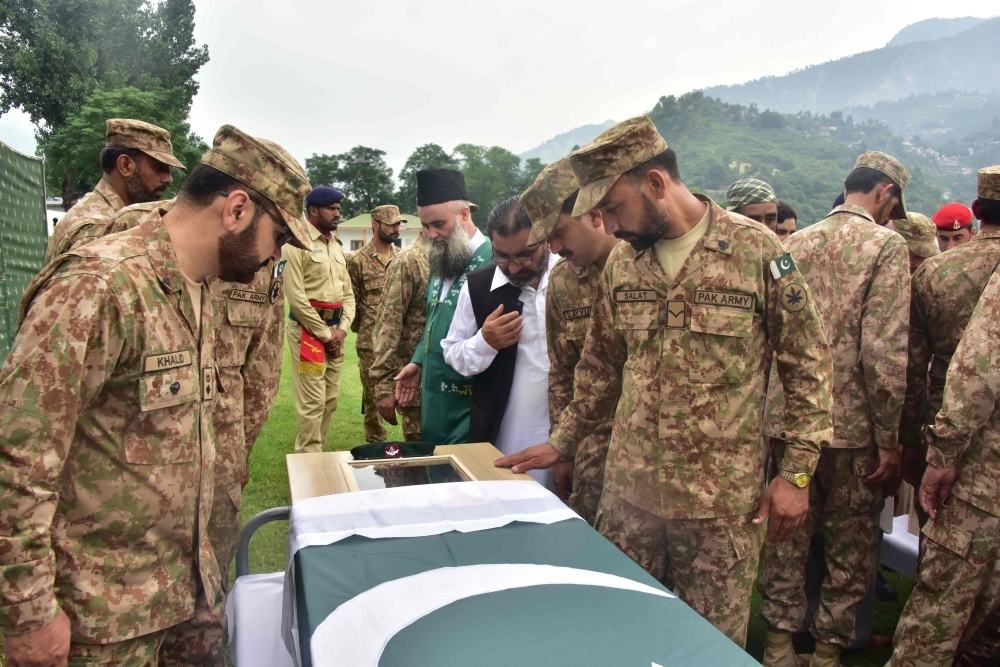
point(108, 453)
point(498, 337)
point(321, 309)
point(367, 268)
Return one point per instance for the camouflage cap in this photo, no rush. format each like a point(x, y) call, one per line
point(152, 140)
point(891, 167)
point(267, 168)
point(600, 164)
point(543, 200)
point(919, 233)
point(387, 215)
point(747, 191)
point(989, 183)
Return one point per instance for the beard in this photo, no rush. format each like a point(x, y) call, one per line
point(391, 237)
point(238, 259)
point(653, 225)
point(139, 193)
point(448, 261)
point(525, 277)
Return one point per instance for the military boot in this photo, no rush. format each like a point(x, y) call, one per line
point(826, 655)
point(779, 652)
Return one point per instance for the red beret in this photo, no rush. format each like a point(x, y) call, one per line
point(953, 216)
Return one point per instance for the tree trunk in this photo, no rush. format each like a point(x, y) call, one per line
point(68, 190)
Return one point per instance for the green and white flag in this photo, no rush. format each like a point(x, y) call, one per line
point(477, 573)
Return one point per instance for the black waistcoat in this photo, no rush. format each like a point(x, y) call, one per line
point(491, 388)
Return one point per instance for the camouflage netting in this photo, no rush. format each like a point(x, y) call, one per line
point(22, 233)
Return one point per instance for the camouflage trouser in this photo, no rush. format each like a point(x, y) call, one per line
point(411, 422)
point(845, 511)
point(224, 526)
point(315, 396)
point(197, 642)
point(374, 428)
point(954, 608)
point(588, 474)
point(711, 564)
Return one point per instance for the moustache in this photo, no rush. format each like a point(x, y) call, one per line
point(565, 253)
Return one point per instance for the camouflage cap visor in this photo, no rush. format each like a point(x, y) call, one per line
point(541, 228)
point(989, 183)
point(592, 193)
point(165, 158)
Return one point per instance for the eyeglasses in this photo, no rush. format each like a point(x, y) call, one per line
point(521, 261)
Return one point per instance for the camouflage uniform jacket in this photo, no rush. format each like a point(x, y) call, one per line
point(86, 221)
point(106, 445)
point(945, 290)
point(967, 430)
point(320, 275)
point(248, 354)
point(402, 314)
point(687, 359)
point(859, 275)
point(368, 278)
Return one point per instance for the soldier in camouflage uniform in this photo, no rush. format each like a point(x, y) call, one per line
point(859, 275)
point(945, 289)
point(107, 454)
point(953, 614)
point(367, 268)
point(136, 160)
point(399, 326)
point(584, 247)
point(675, 355)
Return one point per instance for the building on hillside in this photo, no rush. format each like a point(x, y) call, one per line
point(356, 232)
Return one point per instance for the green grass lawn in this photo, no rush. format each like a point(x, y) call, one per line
point(268, 488)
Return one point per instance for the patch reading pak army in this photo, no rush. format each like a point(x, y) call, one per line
point(577, 313)
point(731, 299)
point(249, 297)
point(782, 266)
point(165, 362)
point(675, 314)
point(794, 297)
point(635, 295)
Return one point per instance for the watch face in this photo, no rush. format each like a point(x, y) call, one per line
point(802, 480)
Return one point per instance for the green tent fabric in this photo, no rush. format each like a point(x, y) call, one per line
point(535, 626)
point(22, 233)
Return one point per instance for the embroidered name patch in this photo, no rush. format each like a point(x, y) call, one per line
point(732, 299)
point(251, 297)
point(635, 295)
point(577, 313)
point(167, 361)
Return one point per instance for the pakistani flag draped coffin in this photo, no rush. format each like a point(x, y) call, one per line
point(477, 573)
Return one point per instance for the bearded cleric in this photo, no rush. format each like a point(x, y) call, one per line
point(457, 248)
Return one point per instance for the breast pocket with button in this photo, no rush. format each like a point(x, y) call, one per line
point(720, 344)
point(162, 431)
point(639, 322)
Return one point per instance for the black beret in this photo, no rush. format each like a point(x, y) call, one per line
point(324, 195)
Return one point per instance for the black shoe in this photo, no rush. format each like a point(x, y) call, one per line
point(884, 590)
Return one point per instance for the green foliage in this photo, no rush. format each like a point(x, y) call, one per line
point(428, 156)
point(76, 146)
point(361, 174)
point(58, 52)
point(493, 174)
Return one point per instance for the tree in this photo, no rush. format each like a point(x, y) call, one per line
point(493, 174)
point(322, 169)
point(57, 53)
point(365, 179)
point(428, 156)
point(76, 146)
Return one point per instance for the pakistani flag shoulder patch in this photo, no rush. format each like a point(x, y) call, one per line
point(782, 266)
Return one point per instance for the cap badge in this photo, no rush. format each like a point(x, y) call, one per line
point(392, 452)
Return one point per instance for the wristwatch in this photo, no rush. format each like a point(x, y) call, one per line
point(799, 479)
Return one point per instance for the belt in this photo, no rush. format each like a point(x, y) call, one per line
point(328, 312)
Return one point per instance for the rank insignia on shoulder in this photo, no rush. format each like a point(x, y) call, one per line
point(279, 268)
point(782, 266)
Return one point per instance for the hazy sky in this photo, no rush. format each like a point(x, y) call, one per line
point(322, 77)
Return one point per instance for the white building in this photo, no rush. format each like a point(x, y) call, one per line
point(357, 232)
